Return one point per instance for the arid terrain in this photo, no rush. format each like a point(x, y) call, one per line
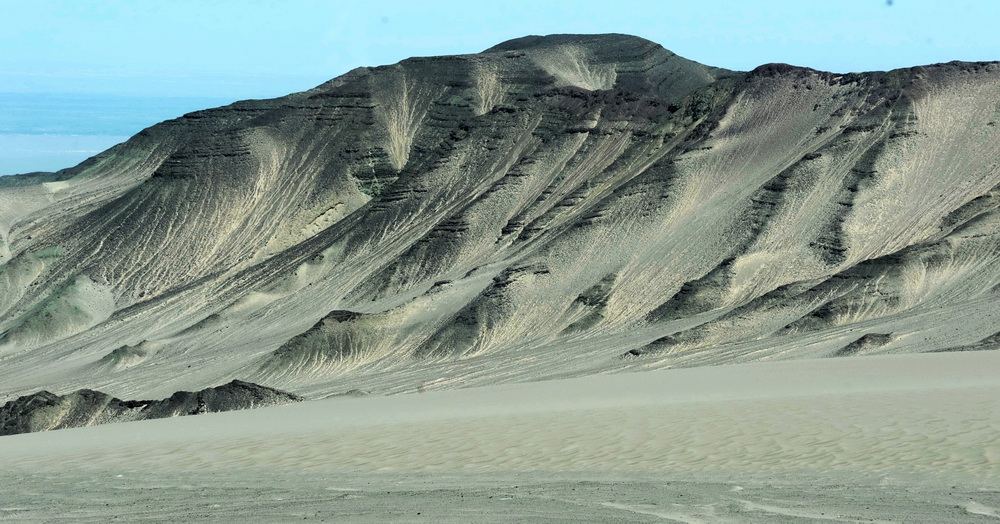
point(899, 438)
point(517, 234)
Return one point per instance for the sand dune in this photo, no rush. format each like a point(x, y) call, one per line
point(896, 414)
point(896, 424)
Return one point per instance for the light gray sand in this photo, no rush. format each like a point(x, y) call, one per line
point(909, 438)
point(268, 496)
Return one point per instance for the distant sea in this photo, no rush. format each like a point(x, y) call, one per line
point(49, 132)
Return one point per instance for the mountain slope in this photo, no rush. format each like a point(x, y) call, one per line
point(554, 206)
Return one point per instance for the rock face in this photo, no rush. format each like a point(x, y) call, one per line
point(45, 411)
point(552, 206)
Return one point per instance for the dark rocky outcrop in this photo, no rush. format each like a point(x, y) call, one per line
point(45, 411)
point(865, 344)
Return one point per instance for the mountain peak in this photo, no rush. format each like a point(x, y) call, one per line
point(586, 40)
point(612, 61)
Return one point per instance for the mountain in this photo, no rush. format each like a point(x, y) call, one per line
point(552, 207)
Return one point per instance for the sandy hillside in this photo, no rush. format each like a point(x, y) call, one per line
point(550, 207)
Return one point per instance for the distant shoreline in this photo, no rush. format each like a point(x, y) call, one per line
point(83, 114)
point(53, 131)
point(25, 152)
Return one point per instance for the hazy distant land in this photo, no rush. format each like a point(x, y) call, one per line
point(53, 131)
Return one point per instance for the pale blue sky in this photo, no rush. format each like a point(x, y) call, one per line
point(256, 48)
